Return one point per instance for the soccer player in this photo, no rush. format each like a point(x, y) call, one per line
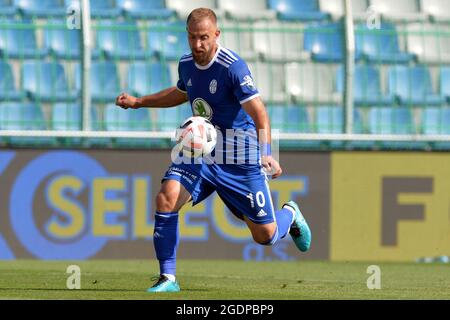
point(220, 87)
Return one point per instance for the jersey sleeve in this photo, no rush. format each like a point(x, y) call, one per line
point(244, 87)
point(180, 83)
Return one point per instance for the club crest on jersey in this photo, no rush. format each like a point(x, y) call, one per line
point(248, 82)
point(201, 108)
point(213, 86)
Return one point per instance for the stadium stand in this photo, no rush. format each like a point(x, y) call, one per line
point(46, 82)
point(379, 46)
point(59, 40)
point(264, 73)
point(325, 42)
point(101, 9)
point(145, 9)
point(239, 37)
point(167, 40)
point(412, 85)
point(144, 78)
point(399, 10)
point(40, 8)
point(444, 91)
point(7, 84)
point(366, 85)
point(168, 119)
point(438, 10)
point(335, 9)
point(298, 10)
point(7, 8)
point(183, 8)
point(428, 42)
point(436, 121)
point(311, 83)
point(249, 10)
point(18, 40)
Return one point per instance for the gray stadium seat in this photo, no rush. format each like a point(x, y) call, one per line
point(246, 10)
point(238, 36)
point(311, 83)
point(429, 42)
point(276, 41)
point(183, 7)
point(264, 75)
point(336, 8)
point(439, 10)
point(398, 10)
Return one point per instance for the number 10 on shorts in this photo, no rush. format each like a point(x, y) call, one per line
point(260, 199)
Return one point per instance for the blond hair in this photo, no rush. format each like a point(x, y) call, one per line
point(200, 14)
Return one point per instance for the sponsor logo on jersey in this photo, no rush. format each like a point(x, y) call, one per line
point(249, 83)
point(201, 108)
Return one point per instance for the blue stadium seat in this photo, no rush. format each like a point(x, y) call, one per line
point(41, 8)
point(168, 40)
point(146, 78)
point(17, 40)
point(106, 9)
point(445, 83)
point(436, 121)
point(169, 119)
point(379, 45)
point(28, 116)
point(148, 9)
point(292, 119)
point(46, 82)
point(118, 119)
point(393, 121)
point(104, 81)
point(301, 10)
point(8, 91)
point(366, 86)
point(62, 42)
point(119, 40)
point(7, 8)
point(325, 42)
point(412, 85)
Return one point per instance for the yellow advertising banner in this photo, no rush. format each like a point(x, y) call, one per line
point(389, 206)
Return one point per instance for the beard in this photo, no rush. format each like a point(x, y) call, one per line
point(202, 58)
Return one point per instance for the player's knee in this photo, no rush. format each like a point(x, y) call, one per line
point(164, 202)
point(264, 238)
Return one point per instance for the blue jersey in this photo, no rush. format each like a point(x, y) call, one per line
point(216, 92)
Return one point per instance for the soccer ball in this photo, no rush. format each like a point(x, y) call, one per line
point(196, 137)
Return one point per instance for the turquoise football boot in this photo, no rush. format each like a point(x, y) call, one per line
point(299, 231)
point(164, 285)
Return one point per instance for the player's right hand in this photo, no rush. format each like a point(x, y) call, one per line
point(125, 101)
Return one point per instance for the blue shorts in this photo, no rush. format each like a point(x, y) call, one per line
point(243, 188)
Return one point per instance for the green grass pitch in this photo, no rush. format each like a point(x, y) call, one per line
point(222, 280)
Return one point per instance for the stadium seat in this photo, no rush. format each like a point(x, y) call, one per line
point(18, 40)
point(169, 119)
point(264, 74)
point(168, 40)
point(238, 36)
point(118, 119)
point(184, 8)
point(436, 121)
point(299, 10)
point(412, 86)
point(438, 10)
point(104, 81)
point(379, 46)
point(146, 78)
point(311, 83)
point(148, 9)
point(325, 42)
point(275, 41)
point(366, 86)
point(292, 119)
point(399, 10)
point(7, 8)
point(46, 82)
point(429, 42)
point(40, 8)
point(100, 9)
point(336, 9)
point(246, 10)
point(119, 40)
point(27, 116)
point(8, 91)
point(393, 121)
point(445, 83)
point(62, 42)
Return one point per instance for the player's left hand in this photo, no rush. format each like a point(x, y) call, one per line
point(271, 166)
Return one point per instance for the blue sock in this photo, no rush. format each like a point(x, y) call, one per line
point(284, 218)
point(165, 241)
